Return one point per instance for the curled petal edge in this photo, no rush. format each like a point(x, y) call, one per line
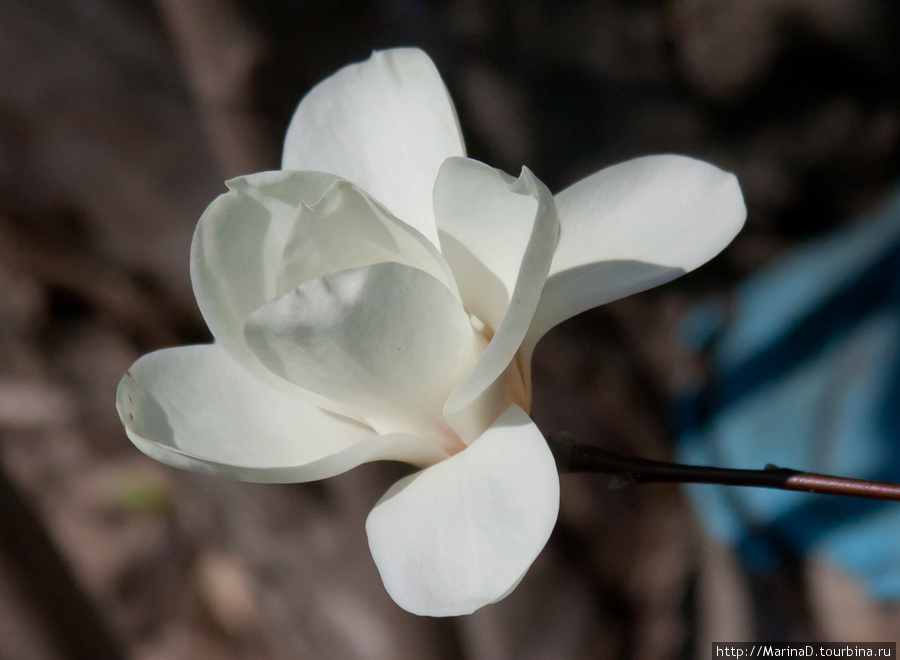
point(375, 448)
point(473, 404)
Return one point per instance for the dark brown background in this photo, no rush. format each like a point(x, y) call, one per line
point(119, 119)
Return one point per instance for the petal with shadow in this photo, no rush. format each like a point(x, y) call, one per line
point(498, 235)
point(197, 409)
point(388, 341)
point(631, 227)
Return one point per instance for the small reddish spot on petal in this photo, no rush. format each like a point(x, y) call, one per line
point(128, 373)
point(131, 417)
point(130, 400)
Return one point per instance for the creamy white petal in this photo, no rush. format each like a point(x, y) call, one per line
point(386, 340)
point(498, 235)
point(631, 227)
point(197, 409)
point(485, 221)
point(460, 534)
point(236, 254)
point(238, 246)
point(347, 229)
point(385, 124)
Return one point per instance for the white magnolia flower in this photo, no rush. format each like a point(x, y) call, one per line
point(380, 298)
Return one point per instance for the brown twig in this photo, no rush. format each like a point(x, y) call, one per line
point(573, 457)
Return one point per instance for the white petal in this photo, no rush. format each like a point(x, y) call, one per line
point(197, 409)
point(485, 220)
point(347, 229)
point(634, 226)
point(386, 340)
point(274, 230)
point(460, 534)
point(386, 124)
point(236, 253)
point(238, 246)
point(498, 235)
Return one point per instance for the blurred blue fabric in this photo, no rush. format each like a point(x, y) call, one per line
point(805, 373)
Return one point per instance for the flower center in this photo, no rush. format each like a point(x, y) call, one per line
point(481, 327)
point(458, 431)
point(450, 441)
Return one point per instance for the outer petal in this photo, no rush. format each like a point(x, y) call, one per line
point(386, 124)
point(634, 226)
point(462, 533)
point(386, 340)
point(195, 408)
point(498, 235)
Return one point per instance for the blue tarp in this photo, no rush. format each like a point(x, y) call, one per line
point(805, 373)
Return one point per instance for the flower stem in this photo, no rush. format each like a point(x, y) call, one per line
point(573, 457)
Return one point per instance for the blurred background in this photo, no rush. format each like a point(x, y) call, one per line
point(119, 121)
